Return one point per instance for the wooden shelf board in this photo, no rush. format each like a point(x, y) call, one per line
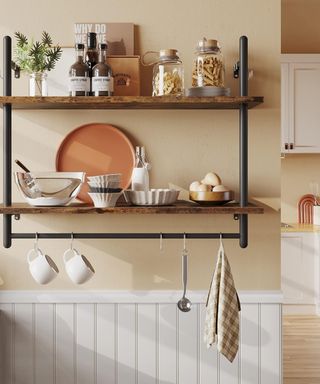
point(130, 102)
point(181, 207)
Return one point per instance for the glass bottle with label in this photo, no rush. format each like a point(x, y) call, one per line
point(102, 80)
point(79, 81)
point(91, 55)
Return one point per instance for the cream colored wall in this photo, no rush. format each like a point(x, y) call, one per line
point(182, 145)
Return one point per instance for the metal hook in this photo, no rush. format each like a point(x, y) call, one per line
point(36, 247)
point(221, 239)
point(184, 242)
point(72, 238)
point(161, 242)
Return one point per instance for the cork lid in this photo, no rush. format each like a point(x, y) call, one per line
point(208, 45)
point(168, 53)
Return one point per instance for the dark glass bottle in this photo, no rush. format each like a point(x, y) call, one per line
point(91, 54)
point(102, 80)
point(79, 80)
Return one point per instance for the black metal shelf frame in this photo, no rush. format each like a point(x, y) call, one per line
point(241, 72)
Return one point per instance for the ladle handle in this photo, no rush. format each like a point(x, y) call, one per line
point(22, 166)
point(184, 273)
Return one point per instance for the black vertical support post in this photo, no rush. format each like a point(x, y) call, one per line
point(7, 141)
point(243, 140)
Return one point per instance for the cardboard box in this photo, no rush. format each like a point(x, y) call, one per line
point(126, 73)
point(118, 36)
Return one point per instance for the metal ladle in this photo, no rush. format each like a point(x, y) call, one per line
point(184, 304)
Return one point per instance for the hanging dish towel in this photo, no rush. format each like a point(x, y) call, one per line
point(222, 310)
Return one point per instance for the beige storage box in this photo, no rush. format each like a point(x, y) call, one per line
point(126, 73)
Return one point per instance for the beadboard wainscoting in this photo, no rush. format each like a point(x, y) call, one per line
point(132, 338)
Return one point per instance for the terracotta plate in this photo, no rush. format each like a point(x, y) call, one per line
point(96, 149)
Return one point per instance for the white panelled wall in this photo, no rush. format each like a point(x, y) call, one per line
point(131, 338)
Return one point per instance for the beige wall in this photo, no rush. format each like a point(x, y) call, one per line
point(300, 31)
point(182, 146)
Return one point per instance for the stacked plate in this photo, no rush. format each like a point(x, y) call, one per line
point(104, 190)
point(207, 91)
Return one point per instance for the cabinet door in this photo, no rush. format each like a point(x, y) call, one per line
point(304, 107)
point(285, 108)
point(298, 268)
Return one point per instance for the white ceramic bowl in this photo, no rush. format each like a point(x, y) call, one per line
point(153, 197)
point(104, 184)
point(49, 188)
point(104, 200)
point(105, 178)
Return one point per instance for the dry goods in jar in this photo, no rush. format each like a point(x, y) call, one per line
point(208, 65)
point(168, 83)
point(210, 70)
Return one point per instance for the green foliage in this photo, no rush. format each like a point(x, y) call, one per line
point(38, 56)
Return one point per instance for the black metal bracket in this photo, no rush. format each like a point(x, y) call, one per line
point(236, 70)
point(16, 69)
point(240, 70)
point(243, 140)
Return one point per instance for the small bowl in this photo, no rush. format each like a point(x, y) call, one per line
point(153, 197)
point(211, 198)
point(104, 200)
point(104, 184)
point(105, 178)
point(104, 190)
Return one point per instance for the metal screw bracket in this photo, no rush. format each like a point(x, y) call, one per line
point(236, 69)
point(16, 69)
point(17, 217)
point(236, 216)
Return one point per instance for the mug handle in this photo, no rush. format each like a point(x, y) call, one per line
point(65, 255)
point(29, 254)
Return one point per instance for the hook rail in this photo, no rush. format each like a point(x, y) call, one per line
point(126, 235)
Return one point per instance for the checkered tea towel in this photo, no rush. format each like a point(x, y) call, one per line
point(222, 310)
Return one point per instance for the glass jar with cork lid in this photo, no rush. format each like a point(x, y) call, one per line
point(208, 66)
point(168, 74)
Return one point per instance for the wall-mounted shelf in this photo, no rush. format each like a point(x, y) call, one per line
point(182, 207)
point(241, 103)
point(130, 102)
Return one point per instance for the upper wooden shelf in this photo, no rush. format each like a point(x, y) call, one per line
point(130, 102)
point(181, 207)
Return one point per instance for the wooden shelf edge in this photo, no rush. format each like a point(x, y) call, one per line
point(130, 102)
point(182, 207)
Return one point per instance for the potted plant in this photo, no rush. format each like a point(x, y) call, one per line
point(36, 58)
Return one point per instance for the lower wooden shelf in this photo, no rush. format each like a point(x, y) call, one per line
point(181, 207)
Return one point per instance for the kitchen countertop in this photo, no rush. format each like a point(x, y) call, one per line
point(296, 227)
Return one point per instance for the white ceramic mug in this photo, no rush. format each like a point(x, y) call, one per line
point(78, 266)
point(42, 268)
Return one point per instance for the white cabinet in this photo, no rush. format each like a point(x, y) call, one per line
point(300, 103)
point(299, 267)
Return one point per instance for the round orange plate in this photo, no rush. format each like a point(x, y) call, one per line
point(96, 149)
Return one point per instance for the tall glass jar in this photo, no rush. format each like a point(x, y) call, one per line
point(208, 65)
point(168, 74)
point(38, 84)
